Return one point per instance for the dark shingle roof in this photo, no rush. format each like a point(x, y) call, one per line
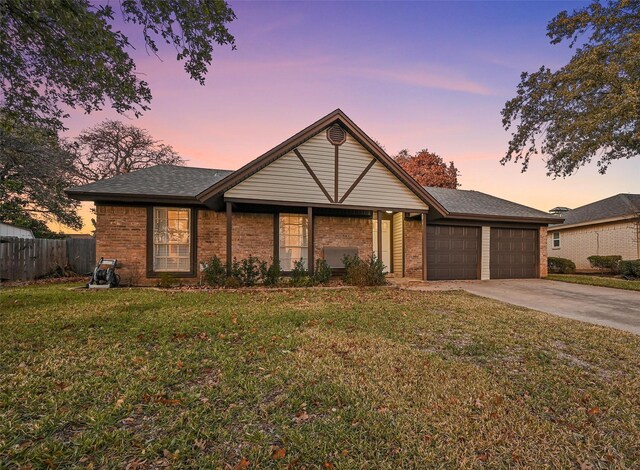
point(459, 201)
point(170, 181)
point(619, 205)
point(160, 180)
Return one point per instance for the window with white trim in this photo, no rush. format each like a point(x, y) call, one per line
point(294, 240)
point(171, 239)
point(555, 236)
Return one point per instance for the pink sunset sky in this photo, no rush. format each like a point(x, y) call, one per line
point(411, 75)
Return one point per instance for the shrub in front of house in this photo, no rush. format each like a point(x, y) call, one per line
point(630, 268)
point(359, 272)
point(214, 272)
point(561, 265)
point(607, 263)
point(272, 276)
point(300, 275)
point(250, 270)
point(322, 273)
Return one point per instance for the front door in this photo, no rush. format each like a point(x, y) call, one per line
point(386, 242)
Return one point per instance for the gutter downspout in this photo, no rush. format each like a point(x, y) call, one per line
point(638, 237)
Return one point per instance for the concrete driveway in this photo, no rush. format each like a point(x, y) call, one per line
point(599, 305)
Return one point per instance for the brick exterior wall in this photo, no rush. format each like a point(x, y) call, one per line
point(212, 235)
point(121, 232)
point(252, 235)
point(343, 232)
point(577, 244)
point(413, 248)
point(542, 240)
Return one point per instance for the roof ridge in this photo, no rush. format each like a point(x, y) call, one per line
point(629, 202)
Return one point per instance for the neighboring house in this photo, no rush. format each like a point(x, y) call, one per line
point(610, 226)
point(8, 230)
point(327, 191)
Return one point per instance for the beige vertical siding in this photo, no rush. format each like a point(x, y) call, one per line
point(319, 153)
point(485, 258)
point(379, 188)
point(398, 222)
point(577, 244)
point(287, 179)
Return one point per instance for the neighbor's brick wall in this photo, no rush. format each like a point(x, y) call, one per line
point(121, 232)
point(343, 232)
point(252, 235)
point(542, 240)
point(413, 248)
point(577, 244)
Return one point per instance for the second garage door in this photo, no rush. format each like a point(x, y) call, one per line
point(514, 253)
point(452, 252)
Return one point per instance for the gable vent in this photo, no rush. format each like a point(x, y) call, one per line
point(336, 135)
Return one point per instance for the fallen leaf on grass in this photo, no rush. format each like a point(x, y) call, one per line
point(301, 416)
point(161, 399)
point(594, 411)
point(62, 385)
point(135, 464)
point(203, 336)
point(278, 453)
point(179, 336)
point(244, 463)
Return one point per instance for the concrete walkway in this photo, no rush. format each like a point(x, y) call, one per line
point(616, 308)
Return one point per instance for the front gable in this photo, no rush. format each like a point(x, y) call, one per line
point(340, 173)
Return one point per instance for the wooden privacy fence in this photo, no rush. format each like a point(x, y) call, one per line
point(23, 259)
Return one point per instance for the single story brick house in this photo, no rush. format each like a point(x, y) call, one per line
point(327, 191)
point(610, 226)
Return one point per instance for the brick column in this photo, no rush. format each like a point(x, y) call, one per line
point(542, 241)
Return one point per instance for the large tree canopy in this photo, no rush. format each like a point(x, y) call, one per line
point(61, 54)
point(112, 148)
point(35, 168)
point(429, 169)
point(590, 108)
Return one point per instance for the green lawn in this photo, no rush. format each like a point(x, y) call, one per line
point(596, 281)
point(341, 378)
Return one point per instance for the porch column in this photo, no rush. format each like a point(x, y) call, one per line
point(229, 238)
point(310, 243)
point(276, 237)
point(424, 247)
point(379, 222)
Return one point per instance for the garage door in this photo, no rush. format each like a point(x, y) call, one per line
point(514, 253)
point(452, 252)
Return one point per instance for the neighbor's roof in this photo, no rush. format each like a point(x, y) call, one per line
point(460, 203)
point(162, 180)
point(620, 205)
